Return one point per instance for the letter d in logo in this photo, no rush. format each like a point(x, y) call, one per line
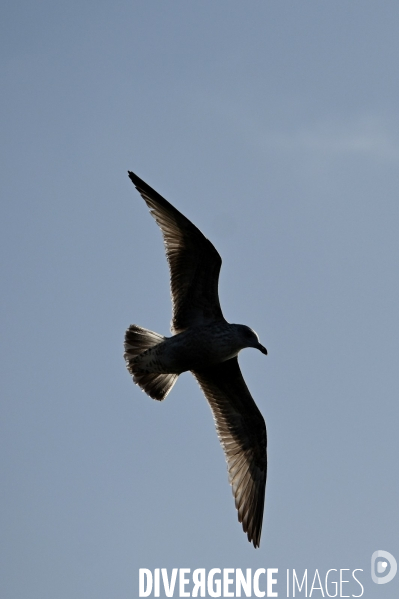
point(382, 566)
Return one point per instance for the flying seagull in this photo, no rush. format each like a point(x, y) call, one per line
point(206, 344)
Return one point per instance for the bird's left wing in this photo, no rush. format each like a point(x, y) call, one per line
point(193, 261)
point(242, 433)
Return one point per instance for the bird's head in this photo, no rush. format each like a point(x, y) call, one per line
point(248, 338)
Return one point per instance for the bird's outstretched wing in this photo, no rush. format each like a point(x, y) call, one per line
point(194, 262)
point(242, 433)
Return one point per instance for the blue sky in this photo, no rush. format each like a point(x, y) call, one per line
point(273, 127)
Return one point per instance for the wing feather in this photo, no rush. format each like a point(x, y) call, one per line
point(193, 261)
point(242, 433)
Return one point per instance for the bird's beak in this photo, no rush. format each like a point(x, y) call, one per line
point(262, 349)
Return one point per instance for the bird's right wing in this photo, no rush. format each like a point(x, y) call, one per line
point(242, 433)
point(193, 261)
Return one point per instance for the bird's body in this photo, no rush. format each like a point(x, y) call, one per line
point(207, 345)
point(196, 348)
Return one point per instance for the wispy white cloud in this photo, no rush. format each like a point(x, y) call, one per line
point(324, 136)
point(367, 137)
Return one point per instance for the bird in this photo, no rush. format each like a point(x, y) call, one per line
point(204, 343)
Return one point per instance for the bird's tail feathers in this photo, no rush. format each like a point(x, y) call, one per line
point(138, 340)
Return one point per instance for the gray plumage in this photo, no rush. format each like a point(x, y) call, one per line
point(207, 345)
